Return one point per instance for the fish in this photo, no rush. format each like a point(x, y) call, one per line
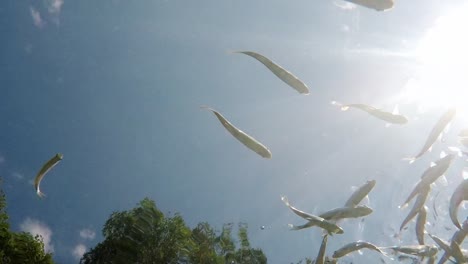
point(279, 71)
point(444, 245)
point(354, 246)
point(380, 114)
point(313, 220)
point(430, 175)
point(460, 194)
point(416, 250)
point(321, 255)
point(378, 5)
point(360, 194)
point(240, 135)
point(420, 222)
point(418, 204)
point(44, 170)
point(450, 250)
point(439, 127)
point(458, 238)
point(458, 254)
point(346, 212)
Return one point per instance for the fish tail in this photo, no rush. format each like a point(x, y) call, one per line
point(206, 107)
point(285, 200)
point(342, 107)
point(403, 206)
point(231, 51)
point(410, 159)
point(40, 194)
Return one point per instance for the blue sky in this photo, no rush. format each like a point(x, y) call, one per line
point(116, 87)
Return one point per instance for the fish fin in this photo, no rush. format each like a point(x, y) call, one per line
point(410, 159)
point(360, 252)
point(206, 107)
point(442, 154)
point(40, 194)
point(285, 200)
point(231, 51)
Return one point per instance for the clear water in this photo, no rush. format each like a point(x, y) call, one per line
point(116, 87)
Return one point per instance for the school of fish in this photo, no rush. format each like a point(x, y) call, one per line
point(329, 220)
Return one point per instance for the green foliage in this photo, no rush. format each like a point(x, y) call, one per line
point(145, 235)
point(19, 247)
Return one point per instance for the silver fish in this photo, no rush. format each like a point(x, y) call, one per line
point(346, 212)
point(380, 114)
point(442, 244)
point(436, 131)
point(279, 71)
point(457, 238)
point(378, 5)
point(460, 194)
point(240, 135)
point(430, 175)
point(43, 171)
point(418, 204)
point(417, 250)
point(360, 194)
point(321, 255)
point(420, 222)
point(354, 246)
point(313, 220)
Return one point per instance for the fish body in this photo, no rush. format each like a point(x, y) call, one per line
point(420, 222)
point(279, 71)
point(240, 135)
point(457, 238)
point(417, 250)
point(354, 246)
point(346, 212)
point(378, 5)
point(321, 255)
point(380, 114)
point(313, 220)
point(430, 175)
point(444, 120)
point(460, 194)
point(360, 194)
point(418, 204)
point(44, 170)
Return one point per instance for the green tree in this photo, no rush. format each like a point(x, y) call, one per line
point(144, 235)
point(19, 247)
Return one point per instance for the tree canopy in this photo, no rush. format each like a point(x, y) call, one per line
point(145, 235)
point(19, 247)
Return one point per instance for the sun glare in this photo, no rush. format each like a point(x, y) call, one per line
point(442, 80)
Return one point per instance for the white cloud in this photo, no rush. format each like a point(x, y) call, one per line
point(37, 228)
point(78, 251)
point(87, 234)
point(55, 6)
point(36, 16)
point(344, 5)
